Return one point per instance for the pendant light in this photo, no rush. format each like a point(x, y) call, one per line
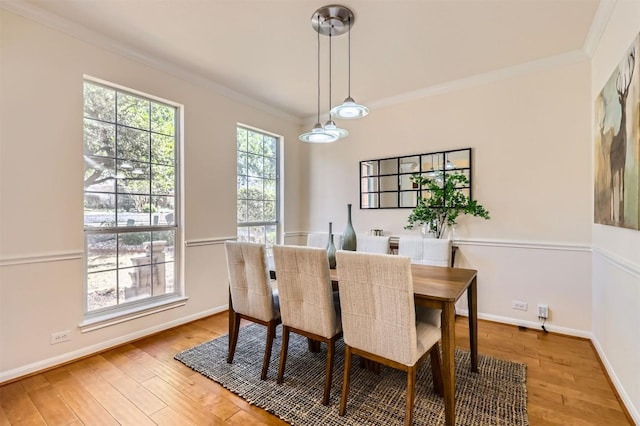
point(349, 108)
point(318, 134)
point(330, 126)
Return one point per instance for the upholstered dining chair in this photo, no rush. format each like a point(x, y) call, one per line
point(307, 303)
point(321, 239)
point(426, 251)
point(373, 244)
point(379, 322)
point(253, 296)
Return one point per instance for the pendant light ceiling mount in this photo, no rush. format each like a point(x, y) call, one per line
point(333, 19)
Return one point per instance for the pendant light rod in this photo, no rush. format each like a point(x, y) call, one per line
point(318, 134)
point(318, 74)
point(330, 126)
point(349, 60)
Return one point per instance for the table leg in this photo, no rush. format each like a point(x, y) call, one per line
point(448, 362)
point(472, 299)
point(313, 345)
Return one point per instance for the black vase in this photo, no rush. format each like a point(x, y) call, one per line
point(349, 235)
point(331, 248)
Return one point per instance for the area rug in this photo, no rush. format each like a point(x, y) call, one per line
point(496, 395)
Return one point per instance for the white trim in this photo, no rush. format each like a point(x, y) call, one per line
point(208, 241)
point(88, 35)
point(530, 324)
point(102, 346)
point(628, 403)
point(539, 245)
point(539, 65)
point(92, 324)
point(295, 234)
point(598, 25)
point(618, 262)
point(55, 256)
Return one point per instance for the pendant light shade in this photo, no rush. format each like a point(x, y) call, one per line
point(349, 110)
point(331, 128)
point(318, 135)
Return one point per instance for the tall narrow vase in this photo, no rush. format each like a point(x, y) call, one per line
point(349, 235)
point(331, 248)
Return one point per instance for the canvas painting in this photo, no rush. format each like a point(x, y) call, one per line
point(617, 145)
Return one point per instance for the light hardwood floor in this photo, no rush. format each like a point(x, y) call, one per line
point(140, 383)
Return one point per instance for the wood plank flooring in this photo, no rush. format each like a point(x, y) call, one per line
point(141, 384)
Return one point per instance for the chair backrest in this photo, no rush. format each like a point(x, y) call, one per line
point(376, 300)
point(304, 287)
point(251, 292)
point(321, 239)
point(425, 251)
point(373, 244)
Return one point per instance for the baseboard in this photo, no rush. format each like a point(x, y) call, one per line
point(623, 397)
point(530, 324)
point(630, 410)
point(53, 362)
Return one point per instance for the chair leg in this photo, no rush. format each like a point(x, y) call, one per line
point(411, 393)
point(233, 338)
point(271, 334)
point(329, 373)
point(345, 380)
point(283, 353)
point(436, 370)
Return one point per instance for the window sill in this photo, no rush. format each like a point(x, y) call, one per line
point(107, 320)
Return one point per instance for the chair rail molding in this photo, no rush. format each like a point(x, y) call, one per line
point(524, 244)
point(54, 256)
point(208, 241)
point(617, 261)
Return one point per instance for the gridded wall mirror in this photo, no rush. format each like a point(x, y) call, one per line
point(386, 183)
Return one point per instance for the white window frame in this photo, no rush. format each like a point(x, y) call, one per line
point(96, 319)
point(278, 198)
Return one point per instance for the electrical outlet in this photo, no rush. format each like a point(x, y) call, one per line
point(543, 311)
point(521, 306)
point(61, 336)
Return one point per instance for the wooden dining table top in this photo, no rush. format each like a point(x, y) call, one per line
point(435, 282)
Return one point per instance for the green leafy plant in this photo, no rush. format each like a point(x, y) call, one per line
point(445, 203)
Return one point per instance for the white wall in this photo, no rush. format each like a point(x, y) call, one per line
point(41, 169)
point(530, 136)
point(616, 258)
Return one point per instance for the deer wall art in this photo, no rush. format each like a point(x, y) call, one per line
point(617, 145)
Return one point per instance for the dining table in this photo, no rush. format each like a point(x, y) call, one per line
point(435, 287)
point(440, 288)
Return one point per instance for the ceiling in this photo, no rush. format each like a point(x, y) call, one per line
point(266, 49)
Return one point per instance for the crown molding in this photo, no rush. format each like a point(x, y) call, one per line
point(598, 25)
point(32, 12)
point(531, 67)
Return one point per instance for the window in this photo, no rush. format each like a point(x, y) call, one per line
point(130, 193)
point(258, 187)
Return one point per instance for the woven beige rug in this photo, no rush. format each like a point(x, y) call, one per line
point(496, 395)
